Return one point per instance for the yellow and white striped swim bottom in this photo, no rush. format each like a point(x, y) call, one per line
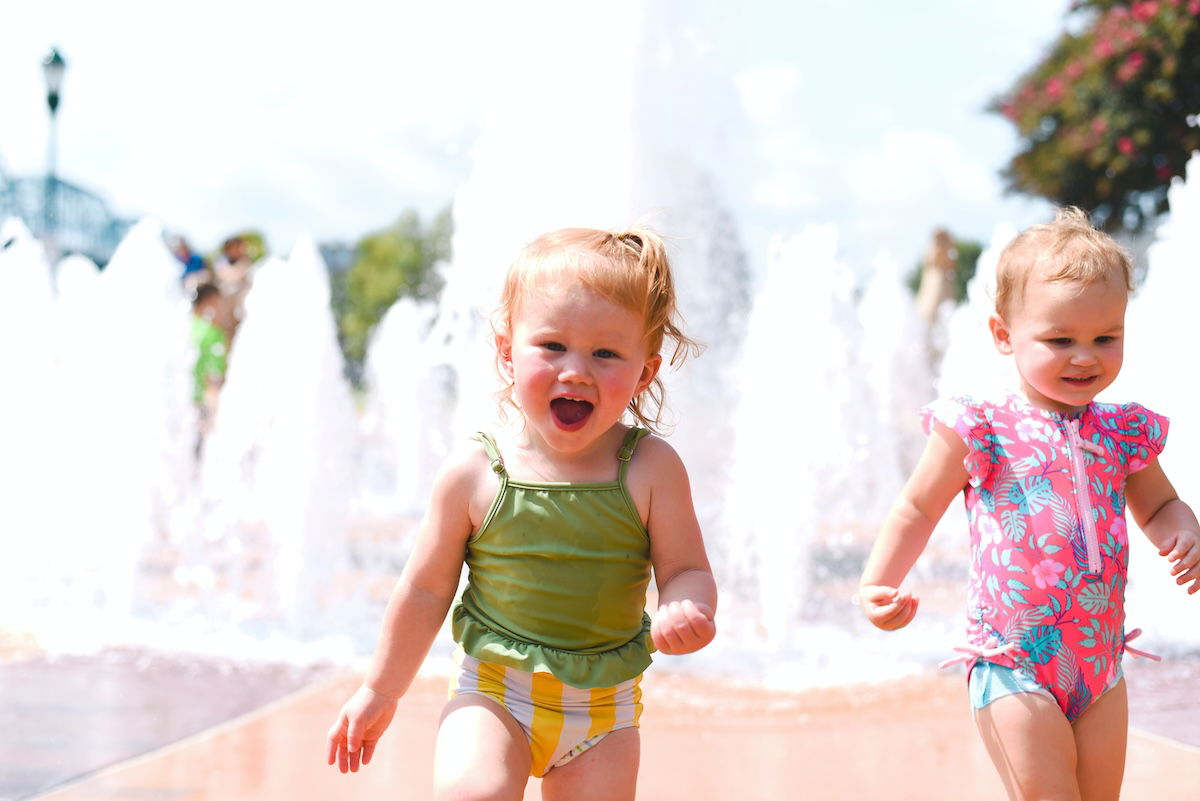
point(560, 721)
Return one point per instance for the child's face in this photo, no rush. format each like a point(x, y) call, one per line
point(576, 360)
point(1067, 340)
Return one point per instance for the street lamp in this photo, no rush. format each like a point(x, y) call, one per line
point(53, 67)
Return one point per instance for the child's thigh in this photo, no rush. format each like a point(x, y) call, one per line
point(605, 772)
point(1101, 737)
point(481, 753)
point(1032, 746)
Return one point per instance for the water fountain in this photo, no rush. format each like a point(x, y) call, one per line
point(298, 504)
point(106, 426)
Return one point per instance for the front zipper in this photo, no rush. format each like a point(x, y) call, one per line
point(1083, 495)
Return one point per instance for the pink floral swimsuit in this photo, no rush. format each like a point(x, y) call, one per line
point(1049, 547)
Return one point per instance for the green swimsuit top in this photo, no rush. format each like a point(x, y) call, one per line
point(557, 577)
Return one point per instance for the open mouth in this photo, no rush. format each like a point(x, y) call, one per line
point(569, 413)
point(1080, 381)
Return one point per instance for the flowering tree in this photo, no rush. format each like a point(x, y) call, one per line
point(1110, 114)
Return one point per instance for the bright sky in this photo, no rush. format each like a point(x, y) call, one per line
point(331, 119)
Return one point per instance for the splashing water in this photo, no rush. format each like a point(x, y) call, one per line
point(798, 423)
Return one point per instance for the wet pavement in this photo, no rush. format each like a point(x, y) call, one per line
point(138, 726)
point(66, 717)
point(1164, 698)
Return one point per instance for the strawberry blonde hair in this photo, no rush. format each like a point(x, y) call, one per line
point(1069, 249)
point(627, 268)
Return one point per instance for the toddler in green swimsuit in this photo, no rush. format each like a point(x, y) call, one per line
point(560, 520)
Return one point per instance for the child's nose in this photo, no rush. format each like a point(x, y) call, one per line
point(573, 369)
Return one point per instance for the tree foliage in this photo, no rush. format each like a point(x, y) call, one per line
point(1108, 116)
point(397, 261)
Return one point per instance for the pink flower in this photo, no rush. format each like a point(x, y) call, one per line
point(1074, 70)
point(1120, 531)
point(1030, 430)
point(1125, 145)
point(1193, 7)
point(1054, 89)
point(1047, 572)
point(990, 532)
point(1099, 124)
point(1133, 63)
point(1104, 48)
point(1145, 10)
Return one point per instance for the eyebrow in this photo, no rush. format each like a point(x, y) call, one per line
point(1111, 329)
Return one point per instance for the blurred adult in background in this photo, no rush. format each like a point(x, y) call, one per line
point(212, 354)
point(195, 270)
point(232, 276)
point(936, 290)
point(937, 275)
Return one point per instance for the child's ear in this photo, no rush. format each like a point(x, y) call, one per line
point(1001, 336)
point(649, 371)
point(504, 350)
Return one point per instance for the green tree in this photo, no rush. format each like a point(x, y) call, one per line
point(397, 261)
point(1108, 116)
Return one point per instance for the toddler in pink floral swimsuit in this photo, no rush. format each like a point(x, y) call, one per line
point(1045, 472)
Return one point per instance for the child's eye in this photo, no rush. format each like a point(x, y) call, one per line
point(605, 353)
point(1105, 340)
point(1061, 342)
point(555, 346)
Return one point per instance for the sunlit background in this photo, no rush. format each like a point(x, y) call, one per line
point(799, 157)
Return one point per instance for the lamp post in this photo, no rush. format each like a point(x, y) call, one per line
point(53, 67)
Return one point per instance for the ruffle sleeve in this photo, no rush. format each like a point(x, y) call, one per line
point(969, 419)
point(1144, 435)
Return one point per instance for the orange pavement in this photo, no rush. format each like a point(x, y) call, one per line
point(701, 741)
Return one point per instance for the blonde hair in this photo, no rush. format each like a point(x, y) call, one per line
point(627, 268)
point(1068, 249)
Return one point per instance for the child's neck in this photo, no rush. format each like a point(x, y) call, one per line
point(528, 457)
point(1045, 405)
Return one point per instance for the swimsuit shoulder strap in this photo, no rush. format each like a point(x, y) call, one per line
point(632, 437)
point(493, 451)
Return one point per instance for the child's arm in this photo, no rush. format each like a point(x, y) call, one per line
point(937, 478)
point(413, 617)
point(687, 593)
point(1167, 522)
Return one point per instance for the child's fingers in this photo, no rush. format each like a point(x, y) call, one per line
point(877, 595)
point(699, 608)
point(698, 616)
point(1185, 555)
point(354, 743)
point(700, 625)
point(894, 615)
point(1184, 575)
point(1167, 547)
point(336, 741)
point(671, 623)
point(682, 627)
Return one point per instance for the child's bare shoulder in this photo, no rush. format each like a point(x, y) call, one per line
point(653, 449)
point(466, 476)
point(656, 462)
